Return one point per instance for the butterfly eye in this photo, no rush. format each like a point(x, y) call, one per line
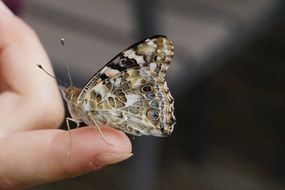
point(154, 104)
point(146, 88)
point(152, 114)
point(150, 95)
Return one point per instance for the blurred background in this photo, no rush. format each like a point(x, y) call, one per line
point(227, 77)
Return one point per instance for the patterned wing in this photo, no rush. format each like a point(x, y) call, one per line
point(130, 92)
point(153, 54)
point(134, 102)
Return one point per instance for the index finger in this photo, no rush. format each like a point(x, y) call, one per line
point(29, 99)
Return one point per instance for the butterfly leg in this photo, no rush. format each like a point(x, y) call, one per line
point(68, 119)
point(98, 128)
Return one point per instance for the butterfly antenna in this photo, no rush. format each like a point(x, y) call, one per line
point(62, 41)
point(41, 67)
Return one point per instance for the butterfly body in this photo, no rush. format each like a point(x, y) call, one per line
point(130, 92)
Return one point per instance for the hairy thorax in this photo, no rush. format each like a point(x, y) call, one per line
point(70, 94)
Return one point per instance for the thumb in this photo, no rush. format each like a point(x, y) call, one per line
point(36, 157)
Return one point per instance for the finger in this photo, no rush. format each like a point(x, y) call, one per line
point(36, 157)
point(27, 94)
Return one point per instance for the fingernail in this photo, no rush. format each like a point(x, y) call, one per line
point(5, 9)
point(111, 158)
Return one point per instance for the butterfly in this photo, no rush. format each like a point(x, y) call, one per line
point(129, 93)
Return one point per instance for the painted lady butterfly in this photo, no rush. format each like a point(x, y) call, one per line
point(129, 93)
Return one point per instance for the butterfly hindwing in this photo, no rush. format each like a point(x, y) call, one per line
point(134, 102)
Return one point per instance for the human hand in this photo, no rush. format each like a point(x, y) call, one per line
point(32, 150)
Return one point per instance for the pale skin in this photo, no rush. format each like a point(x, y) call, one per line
point(32, 150)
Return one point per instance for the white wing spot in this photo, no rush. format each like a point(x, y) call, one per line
point(152, 66)
point(132, 55)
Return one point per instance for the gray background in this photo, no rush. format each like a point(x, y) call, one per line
point(227, 78)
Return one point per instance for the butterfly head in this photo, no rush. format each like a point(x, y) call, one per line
point(70, 94)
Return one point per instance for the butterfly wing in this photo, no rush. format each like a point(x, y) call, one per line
point(153, 54)
point(130, 92)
